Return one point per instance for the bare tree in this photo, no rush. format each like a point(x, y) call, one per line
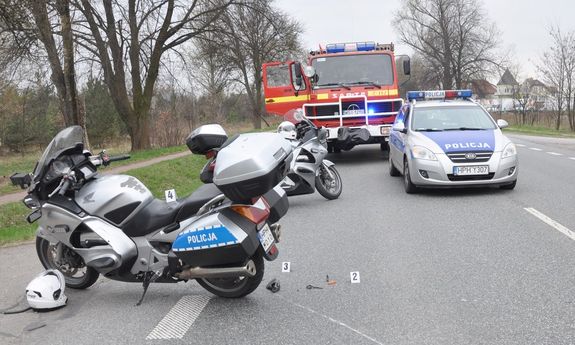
point(557, 72)
point(453, 36)
point(50, 23)
point(522, 97)
point(129, 40)
point(212, 72)
point(252, 33)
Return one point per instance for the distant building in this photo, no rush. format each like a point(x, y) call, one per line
point(506, 89)
point(538, 93)
point(484, 92)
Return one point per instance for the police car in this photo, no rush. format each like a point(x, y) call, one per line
point(445, 139)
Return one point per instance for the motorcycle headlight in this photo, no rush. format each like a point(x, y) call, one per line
point(322, 135)
point(509, 151)
point(420, 152)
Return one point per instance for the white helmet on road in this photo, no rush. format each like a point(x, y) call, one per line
point(46, 290)
point(287, 129)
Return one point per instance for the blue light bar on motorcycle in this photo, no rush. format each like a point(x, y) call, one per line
point(350, 47)
point(438, 94)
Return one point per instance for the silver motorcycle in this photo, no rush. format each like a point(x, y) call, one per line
point(309, 169)
point(91, 224)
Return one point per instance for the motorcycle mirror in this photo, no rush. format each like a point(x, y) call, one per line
point(298, 115)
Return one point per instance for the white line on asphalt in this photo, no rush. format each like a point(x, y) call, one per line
point(180, 318)
point(573, 158)
point(551, 222)
point(555, 154)
point(535, 149)
point(332, 320)
point(520, 145)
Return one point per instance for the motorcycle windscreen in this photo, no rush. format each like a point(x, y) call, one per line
point(281, 90)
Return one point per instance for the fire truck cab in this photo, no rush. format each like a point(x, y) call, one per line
point(349, 88)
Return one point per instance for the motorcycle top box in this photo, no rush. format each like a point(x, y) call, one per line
point(251, 165)
point(206, 138)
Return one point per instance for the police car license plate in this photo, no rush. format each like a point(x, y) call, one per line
point(266, 238)
point(471, 170)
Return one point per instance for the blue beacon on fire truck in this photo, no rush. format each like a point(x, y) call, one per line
point(445, 139)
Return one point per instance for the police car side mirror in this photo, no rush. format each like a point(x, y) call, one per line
point(399, 127)
point(502, 123)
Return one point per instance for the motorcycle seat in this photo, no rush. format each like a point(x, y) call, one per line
point(159, 213)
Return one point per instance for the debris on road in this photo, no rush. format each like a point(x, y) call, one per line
point(273, 285)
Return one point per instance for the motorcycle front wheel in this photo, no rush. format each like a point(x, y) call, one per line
point(328, 185)
point(238, 286)
point(72, 266)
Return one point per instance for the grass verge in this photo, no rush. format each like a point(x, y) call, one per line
point(540, 131)
point(181, 174)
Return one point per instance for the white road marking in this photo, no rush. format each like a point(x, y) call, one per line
point(565, 231)
point(180, 318)
point(535, 149)
point(573, 158)
point(519, 145)
point(555, 154)
point(373, 340)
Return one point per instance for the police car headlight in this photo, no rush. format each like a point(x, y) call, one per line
point(421, 152)
point(509, 151)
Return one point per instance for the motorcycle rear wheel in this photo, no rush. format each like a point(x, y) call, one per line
point(328, 188)
point(238, 286)
point(72, 263)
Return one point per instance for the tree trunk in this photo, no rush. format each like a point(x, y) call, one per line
point(62, 75)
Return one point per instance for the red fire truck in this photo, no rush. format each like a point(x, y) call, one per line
point(349, 88)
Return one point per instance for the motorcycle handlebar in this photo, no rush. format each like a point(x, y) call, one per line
point(118, 158)
point(64, 187)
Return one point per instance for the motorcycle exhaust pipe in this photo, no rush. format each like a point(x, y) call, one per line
point(249, 270)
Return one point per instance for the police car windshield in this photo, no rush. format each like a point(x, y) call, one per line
point(450, 118)
point(368, 69)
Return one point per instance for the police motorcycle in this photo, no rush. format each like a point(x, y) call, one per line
point(309, 169)
point(92, 224)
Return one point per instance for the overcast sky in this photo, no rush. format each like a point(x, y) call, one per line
point(523, 23)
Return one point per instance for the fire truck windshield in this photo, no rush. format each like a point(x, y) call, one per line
point(344, 70)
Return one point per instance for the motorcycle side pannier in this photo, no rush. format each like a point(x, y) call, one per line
point(206, 138)
point(252, 165)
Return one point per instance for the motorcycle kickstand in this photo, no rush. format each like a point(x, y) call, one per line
point(148, 278)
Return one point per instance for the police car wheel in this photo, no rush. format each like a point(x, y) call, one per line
point(509, 186)
point(410, 188)
point(392, 169)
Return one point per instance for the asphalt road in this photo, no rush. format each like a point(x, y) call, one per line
point(466, 266)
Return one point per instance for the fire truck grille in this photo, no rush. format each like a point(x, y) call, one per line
point(321, 110)
point(383, 107)
point(354, 110)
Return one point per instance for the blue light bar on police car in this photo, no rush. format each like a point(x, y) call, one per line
point(438, 94)
point(350, 47)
